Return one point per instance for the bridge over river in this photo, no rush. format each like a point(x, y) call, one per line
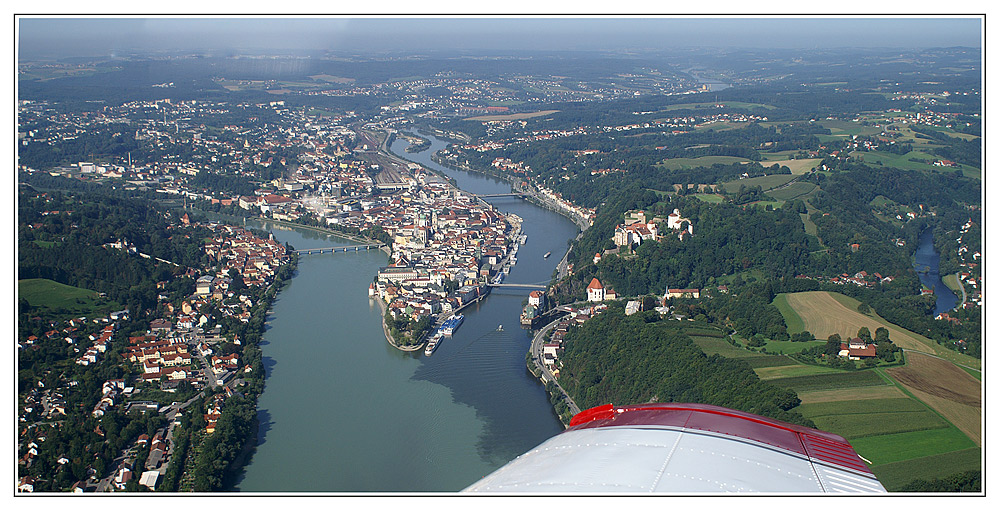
point(342, 248)
point(491, 195)
point(531, 286)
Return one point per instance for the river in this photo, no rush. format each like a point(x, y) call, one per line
point(342, 411)
point(713, 85)
point(927, 263)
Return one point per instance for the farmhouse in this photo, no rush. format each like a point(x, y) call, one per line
point(857, 349)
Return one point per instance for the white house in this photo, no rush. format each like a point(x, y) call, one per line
point(536, 298)
point(595, 291)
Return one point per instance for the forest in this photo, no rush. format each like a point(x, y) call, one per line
point(613, 358)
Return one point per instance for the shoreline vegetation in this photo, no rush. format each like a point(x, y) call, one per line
point(388, 335)
point(248, 445)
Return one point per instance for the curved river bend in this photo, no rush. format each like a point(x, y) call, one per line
point(342, 411)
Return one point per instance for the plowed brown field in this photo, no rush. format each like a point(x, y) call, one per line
point(945, 388)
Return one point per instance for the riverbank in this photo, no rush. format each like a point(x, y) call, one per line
point(249, 384)
point(388, 335)
point(538, 369)
point(532, 196)
point(954, 282)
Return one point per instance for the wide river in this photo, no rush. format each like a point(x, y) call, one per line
point(343, 411)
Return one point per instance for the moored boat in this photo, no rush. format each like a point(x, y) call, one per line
point(433, 343)
point(452, 324)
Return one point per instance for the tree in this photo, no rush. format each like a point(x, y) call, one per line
point(832, 346)
point(882, 335)
point(864, 334)
point(803, 336)
point(864, 308)
point(648, 303)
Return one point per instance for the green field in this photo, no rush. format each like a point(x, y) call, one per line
point(861, 406)
point(765, 182)
point(713, 345)
point(769, 361)
point(884, 159)
point(838, 380)
point(48, 297)
point(717, 346)
point(709, 197)
point(895, 475)
point(729, 104)
point(765, 203)
point(46, 244)
point(790, 347)
point(891, 448)
point(793, 191)
point(954, 134)
point(704, 161)
point(792, 372)
point(793, 322)
point(856, 426)
point(718, 126)
point(848, 128)
point(952, 282)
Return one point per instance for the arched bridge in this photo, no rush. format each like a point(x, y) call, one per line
point(342, 248)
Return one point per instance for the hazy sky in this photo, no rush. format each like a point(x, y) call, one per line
point(107, 36)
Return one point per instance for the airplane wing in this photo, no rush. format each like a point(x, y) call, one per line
point(684, 448)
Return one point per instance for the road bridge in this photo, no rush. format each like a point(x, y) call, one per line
point(507, 284)
point(342, 248)
point(491, 195)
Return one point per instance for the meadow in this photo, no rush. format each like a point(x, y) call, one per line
point(50, 298)
point(703, 161)
point(764, 182)
point(793, 191)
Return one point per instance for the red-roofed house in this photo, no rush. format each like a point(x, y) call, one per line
point(595, 291)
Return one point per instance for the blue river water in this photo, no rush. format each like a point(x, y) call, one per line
point(927, 263)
